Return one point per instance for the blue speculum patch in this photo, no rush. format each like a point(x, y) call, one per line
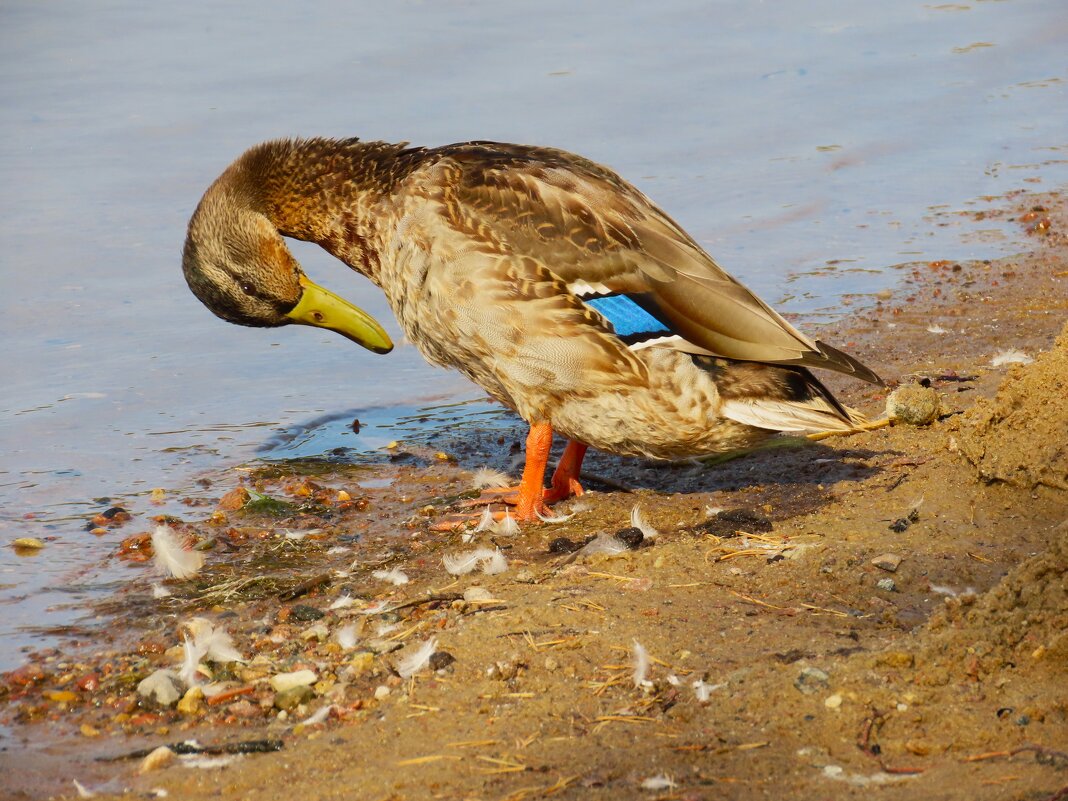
point(627, 317)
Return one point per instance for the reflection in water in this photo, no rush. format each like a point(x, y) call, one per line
point(787, 143)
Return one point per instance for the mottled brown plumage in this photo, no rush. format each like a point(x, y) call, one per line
point(488, 254)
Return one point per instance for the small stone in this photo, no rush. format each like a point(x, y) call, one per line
point(27, 544)
point(192, 702)
point(381, 691)
point(477, 594)
point(361, 663)
point(631, 537)
point(914, 405)
point(896, 659)
point(317, 632)
point(886, 585)
point(252, 673)
point(504, 670)
point(159, 758)
point(290, 699)
point(89, 731)
point(917, 747)
point(563, 545)
point(305, 614)
point(833, 701)
point(298, 678)
point(887, 561)
point(441, 659)
point(233, 500)
point(811, 680)
point(551, 664)
point(61, 696)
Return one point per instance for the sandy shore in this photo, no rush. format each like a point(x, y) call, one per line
point(884, 610)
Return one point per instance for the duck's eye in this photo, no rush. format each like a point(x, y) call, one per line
point(246, 287)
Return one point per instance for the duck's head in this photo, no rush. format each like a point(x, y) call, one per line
point(237, 264)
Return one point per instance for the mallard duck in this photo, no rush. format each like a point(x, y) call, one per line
point(548, 280)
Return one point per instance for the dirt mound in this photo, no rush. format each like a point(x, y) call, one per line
point(1020, 624)
point(1021, 436)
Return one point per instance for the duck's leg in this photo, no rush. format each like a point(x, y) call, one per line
point(527, 498)
point(565, 481)
point(532, 486)
point(530, 497)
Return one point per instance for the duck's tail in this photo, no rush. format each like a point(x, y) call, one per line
point(780, 398)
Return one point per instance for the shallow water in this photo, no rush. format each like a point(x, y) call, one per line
point(806, 144)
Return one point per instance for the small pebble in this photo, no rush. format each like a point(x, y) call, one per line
point(441, 659)
point(290, 699)
point(161, 757)
point(886, 584)
point(811, 679)
point(631, 537)
point(27, 544)
point(298, 678)
point(563, 545)
point(833, 701)
point(887, 561)
point(305, 613)
point(192, 702)
point(477, 594)
point(381, 691)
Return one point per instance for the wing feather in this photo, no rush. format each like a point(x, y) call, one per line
point(590, 226)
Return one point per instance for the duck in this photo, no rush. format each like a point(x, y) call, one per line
point(548, 280)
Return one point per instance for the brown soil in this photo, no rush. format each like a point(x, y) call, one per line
point(946, 678)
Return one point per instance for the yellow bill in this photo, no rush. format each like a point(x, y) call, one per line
point(323, 309)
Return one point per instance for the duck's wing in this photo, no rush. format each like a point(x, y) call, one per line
point(618, 252)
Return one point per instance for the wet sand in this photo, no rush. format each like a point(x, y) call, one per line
point(826, 674)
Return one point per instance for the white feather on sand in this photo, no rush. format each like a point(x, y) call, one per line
point(487, 477)
point(608, 544)
point(342, 602)
point(491, 561)
point(171, 557)
point(190, 671)
point(640, 663)
point(486, 522)
point(395, 576)
point(1010, 356)
point(346, 637)
point(417, 659)
point(508, 527)
point(656, 783)
point(638, 521)
point(214, 643)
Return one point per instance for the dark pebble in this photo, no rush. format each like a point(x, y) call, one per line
point(563, 545)
point(305, 613)
point(114, 510)
point(900, 524)
point(631, 537)
point(441, 659)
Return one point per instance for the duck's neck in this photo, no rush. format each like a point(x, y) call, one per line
point(327, 191)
